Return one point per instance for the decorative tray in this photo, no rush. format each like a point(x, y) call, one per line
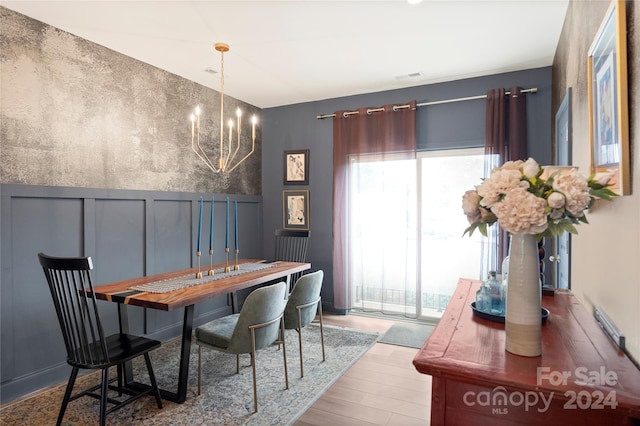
point(500, 318)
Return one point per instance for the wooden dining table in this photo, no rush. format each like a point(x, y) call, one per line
point(122, 292)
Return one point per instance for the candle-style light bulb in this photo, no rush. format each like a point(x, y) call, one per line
point(238, 113)
point(254, 120)
point(198, 110)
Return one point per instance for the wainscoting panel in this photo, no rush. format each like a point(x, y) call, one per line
point(127, 233)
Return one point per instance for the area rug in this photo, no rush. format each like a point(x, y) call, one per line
point(227, 398)
point(408, 334)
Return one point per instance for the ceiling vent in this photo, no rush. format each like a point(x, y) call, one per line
point(410, 76)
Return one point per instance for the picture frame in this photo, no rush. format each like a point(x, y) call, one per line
point(563, 130)
point(607, 98)
point(295, 207)
point(296, 167)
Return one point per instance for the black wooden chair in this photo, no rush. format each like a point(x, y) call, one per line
point(291, 245)
point(87, 347)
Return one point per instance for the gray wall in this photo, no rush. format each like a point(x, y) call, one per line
point(446, 126)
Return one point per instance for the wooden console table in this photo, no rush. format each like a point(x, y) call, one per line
point(581, 377)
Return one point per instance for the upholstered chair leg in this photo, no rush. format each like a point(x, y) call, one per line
point(299, 330)
point(152, 378)
point(103, 396)
point(199, 366)
point(321, 330)
point(284, 353)
point(238, 363)
point(253, 366)
point(67, 394)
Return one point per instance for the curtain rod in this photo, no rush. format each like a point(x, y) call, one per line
point(445, 101)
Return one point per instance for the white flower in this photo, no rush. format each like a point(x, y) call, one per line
point(575, 189)
point(522, 201)
point(530, 168)
point(603, 178)
point(511, 165)
point(556, 214)
point(556, 200)
point(521, 212)
point(498, 185)
point(470, 206)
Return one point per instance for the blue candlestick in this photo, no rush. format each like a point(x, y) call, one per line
point(211, 227)
point(199, 224)
point(226, 236)
point(235, 206)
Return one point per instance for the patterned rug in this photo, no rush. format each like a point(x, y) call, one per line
point(227, 398)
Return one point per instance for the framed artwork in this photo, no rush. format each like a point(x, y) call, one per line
point(296, 167)
point(295, 205)
point(608, 103)
point(563, 131)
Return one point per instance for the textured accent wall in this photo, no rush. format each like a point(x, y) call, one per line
point(76, 114)
point(604, 256)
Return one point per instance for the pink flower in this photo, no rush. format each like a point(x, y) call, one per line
point(603, 178)
point(470, 206)
point(556, 200)
point(522, 200)
point(530, 168)
point(499, 184)
point(521, 212)
point(575, 189)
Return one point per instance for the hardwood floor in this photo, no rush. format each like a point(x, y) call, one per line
point(381, 388)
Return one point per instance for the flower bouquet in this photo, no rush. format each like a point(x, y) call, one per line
point(529, 204)
point(523, 200)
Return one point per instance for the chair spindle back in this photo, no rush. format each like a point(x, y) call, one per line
point(71, 289)
point(291, 246)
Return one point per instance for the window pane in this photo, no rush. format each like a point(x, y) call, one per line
point(445, 254)
point(383, 234)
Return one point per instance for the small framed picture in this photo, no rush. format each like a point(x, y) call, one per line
point(295, 205)
point(608, 103)
point(296, 167)
point(563, 130)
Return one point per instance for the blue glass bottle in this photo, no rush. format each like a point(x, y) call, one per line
point(483, 298)
point(495, 289)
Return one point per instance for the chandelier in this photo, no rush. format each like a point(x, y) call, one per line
point(228, 151)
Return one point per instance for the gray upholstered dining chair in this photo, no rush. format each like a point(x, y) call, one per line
point(302, 305)
point(259, 324)
point(290, 246)
point(87, 345)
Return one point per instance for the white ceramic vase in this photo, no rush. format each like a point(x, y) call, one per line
point(523, 319)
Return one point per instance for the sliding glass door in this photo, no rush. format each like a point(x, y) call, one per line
point(406, 250)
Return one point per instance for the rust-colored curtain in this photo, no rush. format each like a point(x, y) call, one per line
point(505, 140)
point(391, 130)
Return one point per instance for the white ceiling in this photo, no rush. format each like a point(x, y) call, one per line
point(287, 52)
